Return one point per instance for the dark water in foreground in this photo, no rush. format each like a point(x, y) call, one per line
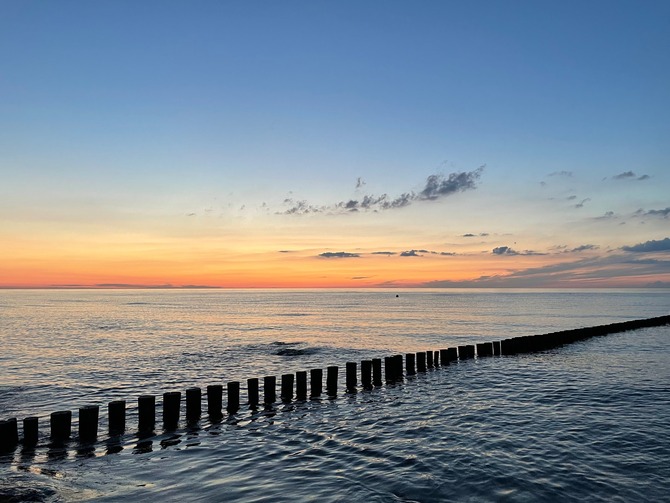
point(585, 422)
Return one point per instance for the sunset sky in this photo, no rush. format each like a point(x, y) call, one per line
point(335, 143)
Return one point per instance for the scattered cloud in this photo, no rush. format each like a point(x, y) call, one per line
point(629, 175)
point(471, 235)
point(582, 202)
point(435, 187)
point(339, 255)
point(571, 198)
point(286, 251)
point(664, 213)
point(561, 173)
point(412, 253)
point(389, 253)
point(468, 235)
point(506, 250)
point(606, 216)
point(359, 182)
point(597, 271)
point(649, 246)
point(582, 248)
point(362, 277)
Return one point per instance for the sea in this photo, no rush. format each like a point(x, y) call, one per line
point(587, 422)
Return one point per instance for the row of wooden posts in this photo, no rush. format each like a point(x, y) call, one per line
point(291, 385)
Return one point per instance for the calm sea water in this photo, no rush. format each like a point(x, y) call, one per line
point(583, 422)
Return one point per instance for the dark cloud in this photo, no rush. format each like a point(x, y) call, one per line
point(411, 253)
point(504, 250)
point(643, 177)
point(362, 277)
point(571, 198)
point(359, 182)
point(436, 187)
point(448, 254)
point(389, 253)
point(649, 246)
point(286, 251)
point(338, 255)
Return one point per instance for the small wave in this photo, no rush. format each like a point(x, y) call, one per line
point(296, 352)
point(280, 343)
point(293, 314)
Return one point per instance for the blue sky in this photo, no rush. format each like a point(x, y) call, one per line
point(133, 115)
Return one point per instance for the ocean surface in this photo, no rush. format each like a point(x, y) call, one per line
point(585, 422)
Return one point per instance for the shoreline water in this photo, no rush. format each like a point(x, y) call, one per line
point(390, 431)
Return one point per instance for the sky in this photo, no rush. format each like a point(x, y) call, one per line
point(334, 143)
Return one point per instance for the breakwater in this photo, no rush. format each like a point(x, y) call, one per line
point(367, 374)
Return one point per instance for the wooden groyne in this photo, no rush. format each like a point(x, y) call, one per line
point(292, 387)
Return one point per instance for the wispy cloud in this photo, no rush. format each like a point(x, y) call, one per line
point(629, 175)
point(435, 187)
point(664, 213)
point(649, 246)
point(582, 202)
point(389, 253)
point(564, 173)
point(506, 250)
point(338, 255)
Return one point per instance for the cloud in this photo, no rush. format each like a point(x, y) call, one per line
point(581, 203)
point(438, 186)
point(649, 246)
point(338, 255)
point(616, 269)
point(435, 187)
point(504, 250)
point(582, 248)
point(359, 182)
point(654, 213)
point(362, 277)
point(561, 173)
point(627, 175)
point(411, 253)
point(606, 216)
point(389, 253)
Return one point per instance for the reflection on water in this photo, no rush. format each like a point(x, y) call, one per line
point(585, 422)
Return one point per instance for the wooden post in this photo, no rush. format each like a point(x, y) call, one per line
point(389, 374)
point(429, 359)
point(30, 431)
point(366, 374)
point(352, 380)
point(421, 361)
point(61, 425)
point(377, 371)
point(331, 381)
point(146, 408)
point(452, 354)
point(301, 385)
point(116, 412)
point(316, 382)
point(252, 392)
point(171, 408)
point(9, 434)
point(397, 365)
point(193, 404)
point(410, 364)
point(215, 401)
point(269, 390)
point(233, 389)
point(287, 387)
point(88, 423)
point(496, 348)
point(436, 358)
point(444, 358)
